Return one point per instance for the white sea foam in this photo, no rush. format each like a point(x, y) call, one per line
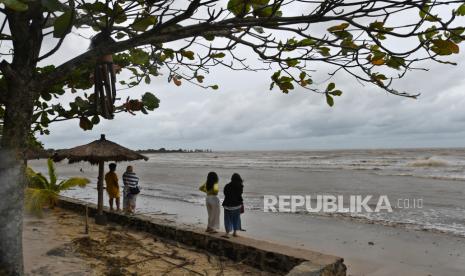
point(429, 162)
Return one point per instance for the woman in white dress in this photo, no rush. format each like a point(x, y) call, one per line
point(210, 187)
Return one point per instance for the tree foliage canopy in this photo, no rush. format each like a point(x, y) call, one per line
point(376, 42)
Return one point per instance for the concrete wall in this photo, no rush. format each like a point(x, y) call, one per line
point(260, 254)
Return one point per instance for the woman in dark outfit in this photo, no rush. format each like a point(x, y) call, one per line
point(232, 204)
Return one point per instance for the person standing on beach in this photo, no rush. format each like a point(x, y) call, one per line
point(232, 205)
point(213, 203)
point(111, 180)
point(131, 190)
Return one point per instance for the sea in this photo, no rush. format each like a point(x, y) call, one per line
point(425, 187)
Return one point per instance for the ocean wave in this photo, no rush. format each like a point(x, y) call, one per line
point(421, 175)
point(428, 162)
point(457, 231)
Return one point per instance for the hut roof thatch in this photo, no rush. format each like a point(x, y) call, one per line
point(31, 154)
point(98, 150)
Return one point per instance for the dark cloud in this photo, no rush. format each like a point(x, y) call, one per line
point(243, 114)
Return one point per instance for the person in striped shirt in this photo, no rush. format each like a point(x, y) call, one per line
point(131, 189)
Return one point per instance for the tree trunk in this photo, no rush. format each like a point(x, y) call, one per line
point(11, 210)
point(17, 123)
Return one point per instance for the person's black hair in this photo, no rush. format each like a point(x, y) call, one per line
point(236, 178)
point(212, 178)
point(112, 166)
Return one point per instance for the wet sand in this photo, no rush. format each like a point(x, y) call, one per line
point(56, 245)
point(367, 249)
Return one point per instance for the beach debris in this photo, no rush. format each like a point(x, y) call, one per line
point(124, 252)
point(371, 243)
point(65, 250)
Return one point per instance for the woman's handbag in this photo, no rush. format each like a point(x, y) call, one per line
point(134, 190)
point(242, 209)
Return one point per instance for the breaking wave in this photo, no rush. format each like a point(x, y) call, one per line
point(429, 162)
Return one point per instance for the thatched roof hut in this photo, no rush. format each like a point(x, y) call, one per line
point(97, 151)
point(30, 154)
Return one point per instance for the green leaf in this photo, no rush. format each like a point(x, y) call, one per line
point(46, 96)
point(338, 28)
point(377, 25)
point(263, 12)
point(150, 101)
point(336, 93)
point(209, 37)
point(307, 42)
point(141, 24)
point(62, 24)
point(51, 172)
point(96, 7)
point(44, 120)
point(331, 86)
point(120, 15)
point(73, 182)
point(85, 123)
point(95, 120)
point(214, 87)
point(15, 5)
point(144, 111)
point(395, 62)
point(239, 7)
point(120, 35)
point(200, 78)
point(292, 62)
point(188, 54)
point(218, 55)
point(456, 35)
point(461, 10)
point(324, 51)
point(444, 47)
point(329, 100)
point(285, 84)
point(52, 5)
point(424, 11)
point(139, 57)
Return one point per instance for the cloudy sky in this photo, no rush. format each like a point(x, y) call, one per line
point(244, 115)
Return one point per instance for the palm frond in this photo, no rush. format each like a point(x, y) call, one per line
point(51, 172)
point(73, 182)
point(36, 180)
point(41, 192)
point(37, 199)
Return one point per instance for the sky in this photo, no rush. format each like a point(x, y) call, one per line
point(244, 115)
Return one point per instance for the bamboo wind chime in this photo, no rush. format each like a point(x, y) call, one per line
point(104, 79)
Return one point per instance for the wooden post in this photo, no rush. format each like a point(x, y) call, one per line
point(100, 187)
point(86, 231)
point(100, 218)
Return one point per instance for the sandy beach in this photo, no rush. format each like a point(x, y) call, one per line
point(427, 241)
point(56, 245)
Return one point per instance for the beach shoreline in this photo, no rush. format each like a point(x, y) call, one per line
point(395, 251)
